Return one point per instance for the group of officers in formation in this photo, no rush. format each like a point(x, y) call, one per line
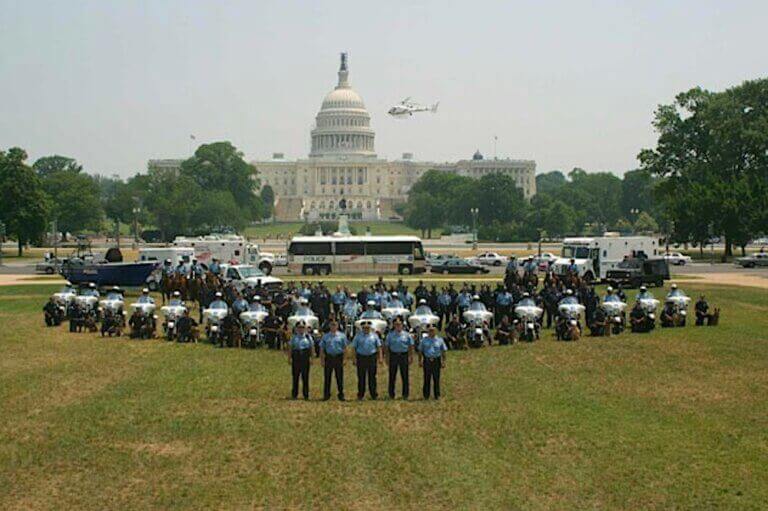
point(344, 320)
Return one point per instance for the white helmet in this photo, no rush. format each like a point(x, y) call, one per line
point(394, 293)
point(218, 294)
point(422, 301)
point(371, 303)
point(145, 291)
point(569, 292)
point(643, 288)
point(674, 286)
point(476, 297)
point(176, 293)
point(609, 289)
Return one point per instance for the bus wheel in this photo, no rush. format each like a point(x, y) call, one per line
point(307, 270)
point(405, 270)
point(266, 268)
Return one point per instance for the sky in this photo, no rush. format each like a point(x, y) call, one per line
point(566, 83)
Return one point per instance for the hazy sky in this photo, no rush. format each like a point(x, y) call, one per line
point(566, 83)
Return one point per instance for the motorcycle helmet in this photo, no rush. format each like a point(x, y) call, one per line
point(674, 286)
point(145, 291)
point(609, 290)
point(371, 303)
point(643, 289)
point(569, 292)
point(176, 294)
point(218, 294)
point(422, 302)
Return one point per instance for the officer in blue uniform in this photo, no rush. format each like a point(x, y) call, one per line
point(337, 300)
point(367, 346)
point(215, 267)
point(399, 347)
point(432, 351)
point(299, 358)
point(333, 345)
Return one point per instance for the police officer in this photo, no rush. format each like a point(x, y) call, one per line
point(432, 351)
point(215, 267)
point(367, 346)
point(299, 358)
point(399, 347)
point(333, 346)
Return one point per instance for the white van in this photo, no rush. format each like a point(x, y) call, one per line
point(227, 248)
point(593, 257)
point(160, 254)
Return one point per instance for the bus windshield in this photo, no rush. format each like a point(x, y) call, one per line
point(572, 252)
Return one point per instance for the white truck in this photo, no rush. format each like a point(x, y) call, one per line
point(242, 275)
point(227, 248)
point(593, 257)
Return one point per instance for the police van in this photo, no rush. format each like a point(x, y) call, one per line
point(321, 255)
point(593, 257)
point(160, 254)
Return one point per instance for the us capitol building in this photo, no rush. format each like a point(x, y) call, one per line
point(343, 174)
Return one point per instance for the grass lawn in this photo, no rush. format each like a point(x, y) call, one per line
point(670, 420)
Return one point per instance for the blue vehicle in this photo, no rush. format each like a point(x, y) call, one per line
point(112, 271)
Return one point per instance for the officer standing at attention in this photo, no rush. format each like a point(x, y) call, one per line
point(432, 351)
point(299, 357)
point(399, 346)
point(333, 345)
point(367, 346)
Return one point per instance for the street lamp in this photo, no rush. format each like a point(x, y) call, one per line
point(136, 212)
point(474, 212)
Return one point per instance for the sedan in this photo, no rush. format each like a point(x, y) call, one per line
point(677, 258)
point(752, 260)
point(458, 266)
point(490, 259)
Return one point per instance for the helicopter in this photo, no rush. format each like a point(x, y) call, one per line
point(409, 107)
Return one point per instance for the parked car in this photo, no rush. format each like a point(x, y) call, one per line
point(635, 272)
point(752, 260)
point(458, 266)
point(677, 258)
point(489, 259)
point(544, 260)
point(49, 266)
point(438, 258)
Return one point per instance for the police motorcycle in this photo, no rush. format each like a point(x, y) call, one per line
point(569, 312)
point(614, 310)
point(529, 316)
point(421, 319)
point(303, 313)
point(62, 298)
point(251, 321)
point(680, 302)
point(394, 308)
point(373, 317)
point(649, 304)
point(476, 319)
point(143, 318)
point(349, 313)
point(171, 314)
point(111, 310)
point(88, 300)
point(213, 317)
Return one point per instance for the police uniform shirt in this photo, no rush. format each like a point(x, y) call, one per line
point(300, 342)
point(366, 344)
point(504, 298)
point(432, 347)
point(334, 343)
point(339, 298)
point(398, 342)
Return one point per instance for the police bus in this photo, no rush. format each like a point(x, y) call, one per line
point(321, 255)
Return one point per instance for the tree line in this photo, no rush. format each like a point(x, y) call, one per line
point(212, 189)
point(707, 177)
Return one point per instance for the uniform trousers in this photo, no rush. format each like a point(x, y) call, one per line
point(431, 377)
point(300, 368)
point(366, 370)
point(334, 365)
point(398, 362)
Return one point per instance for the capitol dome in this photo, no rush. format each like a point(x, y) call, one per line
point(343, 125)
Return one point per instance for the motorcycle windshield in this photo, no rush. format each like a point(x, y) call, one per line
point(218, 305)
point(646, 295)
point(526, 302)
point(395, 304)
point(114, 296)
point(304, 311)
point(423, 310)
point(676, 293)
point(612, 298)
point(145, 299)
point(175, 302)
point(477, 306)
point(370, 315)
point(569, 300)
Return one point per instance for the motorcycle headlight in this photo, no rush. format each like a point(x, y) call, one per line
point(683, 313)
point(253, 331)
point(154, 316)
point(214, 328)
point(651, 316)
point(171, 324)
point(99, 309)
point(573, 322)
point(617, 319)
point(125, 313)
point(530, 325)
point(478, 331)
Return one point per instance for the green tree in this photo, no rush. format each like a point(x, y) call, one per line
point(24, 206)
point(220, 166)
point(498, 199)
point(48, 165)
point(550, 182)
point(637, 192)
point(268, 200)
point(423, 212)
point(646, 224)
point(75, 200)
point(172, 199)
point(712, 154)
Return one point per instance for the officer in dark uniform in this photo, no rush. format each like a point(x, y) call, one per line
point(432, 351)
point(333, 346)
point(300, 358)
point(454, 334)
point(702, 312)
point(399, 347)
point(367, 346)
point(271, 326)
point(52, 313)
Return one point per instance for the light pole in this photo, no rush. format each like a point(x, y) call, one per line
point(136, 212)
point(474, 212)
point(2, 240)
point(54, 231)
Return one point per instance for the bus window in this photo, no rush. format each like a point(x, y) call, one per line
point(349, 248)
point(418, 252)
point(388, 247)
point(304, 249)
